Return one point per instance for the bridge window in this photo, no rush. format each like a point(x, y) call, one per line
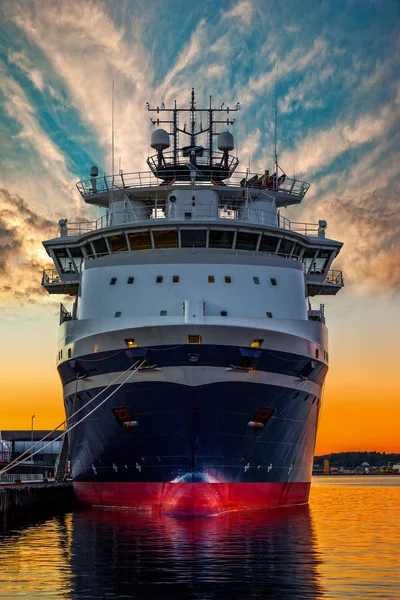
point(77, 256)
point(320, 262)
point(296, 250)
point(193, 238)
point(246, 241)
point(140, 241)
point(220, 239)
point(64, 261)
point(118, 243)
point(308, 256)
point(285, 247)
point(100, 246)
point(165, 239)
point(268, 244)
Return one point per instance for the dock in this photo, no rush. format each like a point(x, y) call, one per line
point(24, 502)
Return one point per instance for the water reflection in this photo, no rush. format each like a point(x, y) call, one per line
point(120, 554)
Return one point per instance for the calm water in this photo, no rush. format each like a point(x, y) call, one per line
point(346, 544)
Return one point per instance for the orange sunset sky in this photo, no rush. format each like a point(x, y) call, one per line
point(339, 126)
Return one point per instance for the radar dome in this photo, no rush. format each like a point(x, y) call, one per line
point(160, 139)
point(226, 141)
point(94, 171)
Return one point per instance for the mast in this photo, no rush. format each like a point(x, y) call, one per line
point(276, 131)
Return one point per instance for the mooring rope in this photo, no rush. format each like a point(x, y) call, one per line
point(20, 458)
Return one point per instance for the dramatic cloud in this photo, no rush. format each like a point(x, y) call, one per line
point(22, 257)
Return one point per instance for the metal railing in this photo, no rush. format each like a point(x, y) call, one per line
point(136, 215)
point(146, 179)
point(334, 277)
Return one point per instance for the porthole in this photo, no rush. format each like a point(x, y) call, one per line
point(193, 357)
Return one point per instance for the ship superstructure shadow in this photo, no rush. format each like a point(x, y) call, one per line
point(194, 274)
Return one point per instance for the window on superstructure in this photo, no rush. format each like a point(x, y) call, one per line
point(64, 261)
point(163, 313)
point(307, 259)
point(130, 280)
point(273, 281)
point(224, 313)
point(159, 279)
point(316, 353)
point(211, 279)
point(256, 280)
point(296, 250)
point(77, 257)
point(69, 352)
point(220, 239)
point(60, 353)
point(188, 216)
point(193, 339)
point(320, 262)
point(175, 278)
point(268, 244)
point(269, 315)
point(165, 239)
point(118, 243)
point(131, 343)
point(100, 246)
point(193, 238)
point(286, 247)
point(140, 240)
point(257, 343)
point(113, 280)
point(228, 279)
point(118, 314)
point(246, 241)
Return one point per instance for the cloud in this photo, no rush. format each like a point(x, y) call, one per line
point(88, 50)
point(22, 256)
point(242, 10)
point(24, 63)
point(320, 148)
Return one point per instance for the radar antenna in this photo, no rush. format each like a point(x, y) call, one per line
point(209, 164)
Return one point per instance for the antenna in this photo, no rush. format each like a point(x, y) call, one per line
point(276, 128)
point(112, 146)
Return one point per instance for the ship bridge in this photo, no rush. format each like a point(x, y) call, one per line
point(193, 197)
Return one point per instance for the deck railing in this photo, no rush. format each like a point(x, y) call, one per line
point(246, 214)
point(146, 179)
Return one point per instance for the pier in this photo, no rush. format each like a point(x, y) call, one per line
point(21, 503)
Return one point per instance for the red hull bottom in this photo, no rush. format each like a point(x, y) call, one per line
point(192, 499)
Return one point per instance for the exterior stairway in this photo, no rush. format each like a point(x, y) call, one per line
point(61, 466)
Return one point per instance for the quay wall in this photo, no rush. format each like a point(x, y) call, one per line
point(26, 502)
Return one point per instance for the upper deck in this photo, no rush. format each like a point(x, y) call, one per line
point(285, 191)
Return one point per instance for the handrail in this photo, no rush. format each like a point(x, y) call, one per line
point(223, 212)
point(147, 179)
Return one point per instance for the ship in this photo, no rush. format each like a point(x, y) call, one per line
point(191, 359)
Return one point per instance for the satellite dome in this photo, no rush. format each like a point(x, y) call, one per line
point(94, 171)
point(160, 139)
point(226, 141)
